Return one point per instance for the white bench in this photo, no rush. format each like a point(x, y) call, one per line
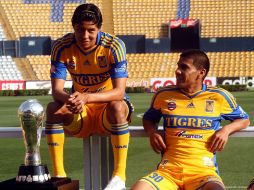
point(98, 156)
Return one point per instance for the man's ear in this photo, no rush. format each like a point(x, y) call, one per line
point(202, 73)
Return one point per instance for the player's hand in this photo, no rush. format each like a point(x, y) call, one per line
point(157, 142)
point(76, 102)
point(219, 140)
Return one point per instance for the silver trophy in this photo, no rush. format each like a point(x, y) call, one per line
point(31, 115)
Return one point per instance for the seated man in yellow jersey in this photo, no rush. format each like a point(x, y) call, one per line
point(192, 113)
point(97, 64)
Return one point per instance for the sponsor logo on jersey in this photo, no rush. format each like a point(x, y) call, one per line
point(86, 62)
point(191, 105)
point(192, 122)
point(171, 105)
point(209, 107)
point(163, 163)
point(190, 136)
point(121, 69)
point(179, 133)
point(243, 113)
point(71, 63)
point(93, 91)
point(102, 61)
point(90, 79)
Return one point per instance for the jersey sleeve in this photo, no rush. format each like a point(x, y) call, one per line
point(58, 68)
point(154, 112)
point(230, 109)
point(119, 66)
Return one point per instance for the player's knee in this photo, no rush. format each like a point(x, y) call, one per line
point(140, 185)
point(213, 186)
point(116, 112)
point(54, 111)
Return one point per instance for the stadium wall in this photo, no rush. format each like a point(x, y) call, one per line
point(227, 44)
point(134, 44)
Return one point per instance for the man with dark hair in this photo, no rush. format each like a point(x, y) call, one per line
point(97, 64)
point(192, 113)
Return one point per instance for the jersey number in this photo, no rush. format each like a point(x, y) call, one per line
point(156, 177)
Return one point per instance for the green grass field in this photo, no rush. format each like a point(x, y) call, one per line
point(235, 162)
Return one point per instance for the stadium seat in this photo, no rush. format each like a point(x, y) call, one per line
point(40, 65)
point(143, 17)
point(8, 69)
point(150, 65)
point(229, 19)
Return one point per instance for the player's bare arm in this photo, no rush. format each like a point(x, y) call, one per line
point(115, 94)
point(60, 95)
point(220, 138)
point(77, 99)
point(156, 140)
point(58, 92)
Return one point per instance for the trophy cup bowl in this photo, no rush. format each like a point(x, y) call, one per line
point(31, 115)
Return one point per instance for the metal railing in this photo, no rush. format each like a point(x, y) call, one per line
point(98, 156)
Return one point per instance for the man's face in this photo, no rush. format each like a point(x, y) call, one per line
point(86, 34)
point(187, 75)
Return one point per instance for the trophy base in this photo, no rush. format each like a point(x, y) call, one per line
point(53, 184)
point(33, 174)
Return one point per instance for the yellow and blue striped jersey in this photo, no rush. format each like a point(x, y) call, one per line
point(91, 71)
point(189, 122)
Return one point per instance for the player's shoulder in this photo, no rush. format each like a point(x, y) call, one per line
point(64, 41)
point(168, 88)
point(60, 44)
point(216, 89)
point(220, 92)
point(110, 40)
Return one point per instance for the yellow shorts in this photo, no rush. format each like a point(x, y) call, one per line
point(91, 121)
point(177, 178)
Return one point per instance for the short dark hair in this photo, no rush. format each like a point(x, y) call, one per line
point(87, 12)
point(200, 59)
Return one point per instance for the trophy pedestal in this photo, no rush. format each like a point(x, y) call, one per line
point(52, 184)
point(33, 174)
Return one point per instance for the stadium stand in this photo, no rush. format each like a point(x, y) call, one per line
point(230, 18)
point(2, 34)
point(143, 17)
point(230, 64)
point(151, 65)
point(183, 9)
point(8, 69)
point(38, 18)
point(40, 66)
point(150, 18)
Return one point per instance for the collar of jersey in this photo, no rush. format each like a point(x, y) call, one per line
point(204, 87)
